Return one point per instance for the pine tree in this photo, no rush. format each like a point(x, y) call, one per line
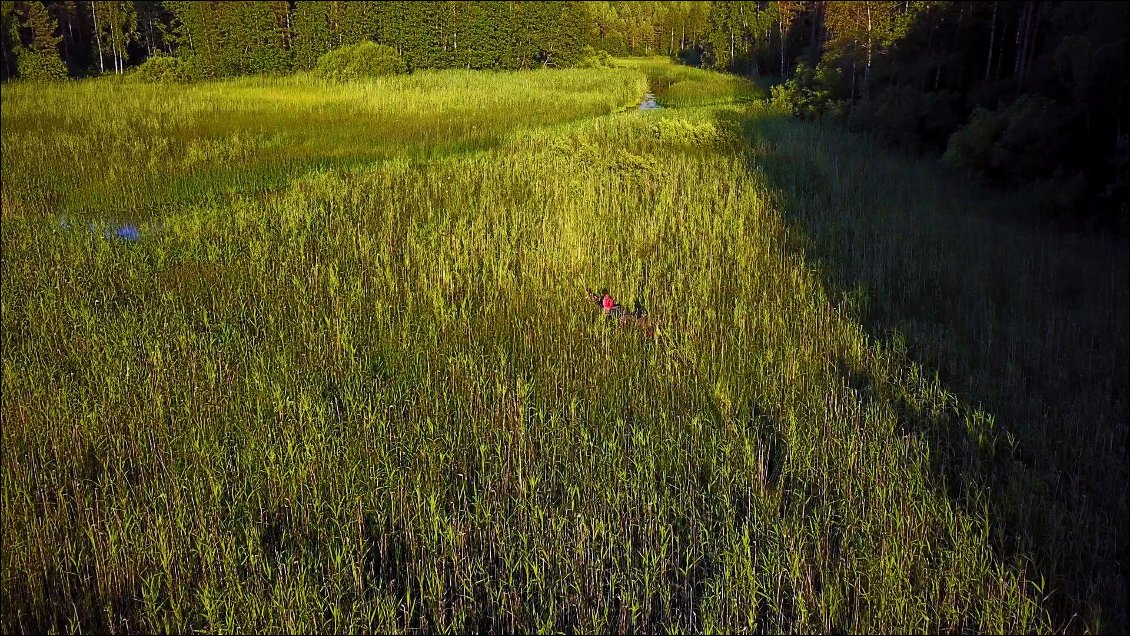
point(39, 59)
point(360, 21)
point(311, 33)
point(253, 38)
point(195, 37)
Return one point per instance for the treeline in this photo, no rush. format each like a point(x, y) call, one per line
point(49, 40)
point(42, 40)
point(1030, 93)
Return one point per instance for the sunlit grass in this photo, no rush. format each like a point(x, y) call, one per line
point(686, 86)
point(108, 146)
point(366, 392)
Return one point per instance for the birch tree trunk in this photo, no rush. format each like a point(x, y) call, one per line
point(117, 56)
point(992, 37)
point(781, 24)
point(97, 38)
point(1019, 41)
point(149, 38)
point(731, 48)
point(1030, 40)
point(870, 47)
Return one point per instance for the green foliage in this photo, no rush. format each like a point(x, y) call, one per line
point(595, 58)
point(225, 39)
point(645, 28)
point(258, 31)
point(554, 33)
point(811, 93)
point(916, 73)
point(311, 32)
point(117, 27)
point(997, 145)
point(360, 20)
point(165, 69)
point(908, 117)
point(38, 60)
point(859, 32)
point(974, 147)
point(39, 28)
point(40, 67)
point(477, 35)
point(360, 61)
point(9, 38)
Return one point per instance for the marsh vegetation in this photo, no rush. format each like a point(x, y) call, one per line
point(347, 379)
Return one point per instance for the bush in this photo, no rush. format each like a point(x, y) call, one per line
point(360, 61)
point(809, 94)
point(907, 117)
point(691, 56)
point(164, 69)
point(1020, 143)
point(38, 67)
point(594, 58)
point(972, 146)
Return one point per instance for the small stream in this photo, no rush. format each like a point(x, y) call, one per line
point(108, 230)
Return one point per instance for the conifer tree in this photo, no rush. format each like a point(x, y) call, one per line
point(360, 21)
point(38, 59)
point(196, 36)
point(480, 29)
point(311, 32)
point(254, 40)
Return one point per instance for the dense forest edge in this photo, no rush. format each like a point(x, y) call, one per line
point(1025, 95)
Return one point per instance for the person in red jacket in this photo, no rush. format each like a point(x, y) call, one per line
point(608, 302)
point(613, 309)
point(605, 301)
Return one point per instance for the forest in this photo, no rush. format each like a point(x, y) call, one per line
point(977, 84)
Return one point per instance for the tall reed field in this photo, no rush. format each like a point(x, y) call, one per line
point(347, 377)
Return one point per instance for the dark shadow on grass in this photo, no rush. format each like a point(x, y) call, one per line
point(76, 604)
point(981, 324)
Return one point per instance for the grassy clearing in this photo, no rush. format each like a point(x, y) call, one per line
point(132, 150)
point(375, 399)
point(687, 86)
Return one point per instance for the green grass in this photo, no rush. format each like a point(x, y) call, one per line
point(686, 86)
point(133, 150)
point(347, 381)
